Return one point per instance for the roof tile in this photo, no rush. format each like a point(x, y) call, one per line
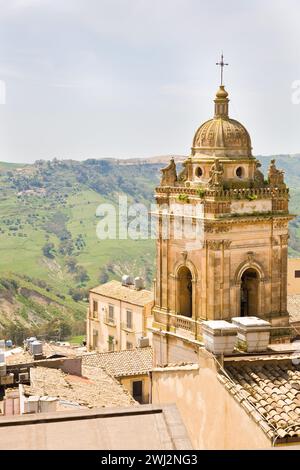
point(115, 290)
point(131, 362)
point(273, 390)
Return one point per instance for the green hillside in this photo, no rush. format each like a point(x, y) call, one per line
point(48, 241)
point(49, 252)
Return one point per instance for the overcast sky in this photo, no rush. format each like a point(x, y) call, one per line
point(130, 78)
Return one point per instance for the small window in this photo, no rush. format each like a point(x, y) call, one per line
point(137, 390)
point(111, 314)
point(95, 308)
point(297, 273)
point(111, 343)
point(239, 172)
point(95, 339)
point(129, 345)
point(129, 319)
point(198, 172)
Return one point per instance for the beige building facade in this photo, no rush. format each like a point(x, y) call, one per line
point(238, 403)
point(293, 280)
point(118, 317)
point(212, 418)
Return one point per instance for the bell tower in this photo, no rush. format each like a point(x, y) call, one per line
point(236, 265)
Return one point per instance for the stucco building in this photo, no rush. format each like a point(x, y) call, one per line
point(293, 280)
point(293, 289)
point(118, 316)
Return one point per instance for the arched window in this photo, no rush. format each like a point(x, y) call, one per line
point(249, 293)
point(239, 172)
point(199, 171)
point(185, 292)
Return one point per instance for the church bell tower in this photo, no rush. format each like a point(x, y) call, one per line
point(238, 264)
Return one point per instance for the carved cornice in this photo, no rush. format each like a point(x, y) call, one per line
point(226, 194)
point(216, 227)
point(227, 244)
point(216, 245)
point(281, 223)
point(219, 225)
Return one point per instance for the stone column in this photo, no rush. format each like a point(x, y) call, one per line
point(275, 278)
point(158, 298)
point(213, 280)
point(226, 280)
point(284, 255)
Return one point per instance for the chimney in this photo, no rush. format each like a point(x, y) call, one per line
point(143, 342)
point(127, 280)
point(219, 336)
point(253, 333)
point(139, 283)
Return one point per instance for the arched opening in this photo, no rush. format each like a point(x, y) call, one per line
point(185, 291)
point(249, 293)
point(199, 172)
point(239, 172)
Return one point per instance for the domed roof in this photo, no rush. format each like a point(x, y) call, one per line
point(222, 136)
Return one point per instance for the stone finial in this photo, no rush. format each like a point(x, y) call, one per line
point(276, 177)
point(183, 175)
point(169, 174)
point(216, 174)
point(258, 175)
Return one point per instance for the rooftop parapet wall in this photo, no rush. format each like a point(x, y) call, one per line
point(72, 365)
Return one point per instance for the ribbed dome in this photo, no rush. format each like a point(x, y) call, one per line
point(219, 133)
point(222, 135)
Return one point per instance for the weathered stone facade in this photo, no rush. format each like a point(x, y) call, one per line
point(237, 263)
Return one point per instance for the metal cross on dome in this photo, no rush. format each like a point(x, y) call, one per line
point(221, 64)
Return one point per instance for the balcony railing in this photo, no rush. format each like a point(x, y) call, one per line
point(181, 324)
point(127, 327)
point(92, 314)
point(192, 329)
point(109, 320)
point(184, 323)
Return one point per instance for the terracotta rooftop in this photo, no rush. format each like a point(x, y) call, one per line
point(20, 356)
point(95, 389)
point(115, 290)
point(269, 390)
point(123, 363)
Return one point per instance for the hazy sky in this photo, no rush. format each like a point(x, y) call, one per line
point(124, 78)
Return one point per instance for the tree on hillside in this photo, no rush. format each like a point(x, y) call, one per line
point(81, 275)
point(71, 264)
point(56, 328)
point(78, 294)
point(103, 276)
point(66, 247)
point(48, 250)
